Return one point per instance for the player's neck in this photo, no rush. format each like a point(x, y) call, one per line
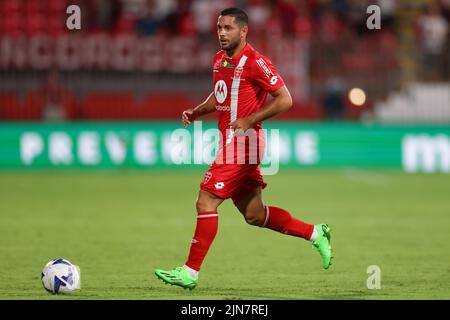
point(235, 52)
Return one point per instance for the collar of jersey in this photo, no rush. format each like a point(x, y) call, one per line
point(246, 48)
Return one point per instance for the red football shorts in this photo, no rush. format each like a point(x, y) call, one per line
point(234, 181)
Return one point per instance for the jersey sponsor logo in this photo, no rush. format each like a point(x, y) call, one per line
point(238, 72)
point(220, 91)
point(223, 108)
point(219, 185)
point(226, 64)
point(262, 64)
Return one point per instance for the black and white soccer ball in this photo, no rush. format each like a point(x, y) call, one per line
point(60, 276)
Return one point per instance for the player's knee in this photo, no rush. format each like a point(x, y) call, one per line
point(201, 205)
point(254, 218)
point(207, 202)
point(204, 204)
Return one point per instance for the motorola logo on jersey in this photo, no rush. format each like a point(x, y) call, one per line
point(221, 91)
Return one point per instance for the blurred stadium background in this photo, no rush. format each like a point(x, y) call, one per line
point(107, 97)
point(147, 60)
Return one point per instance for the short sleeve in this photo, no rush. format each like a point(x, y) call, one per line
point(265, 75)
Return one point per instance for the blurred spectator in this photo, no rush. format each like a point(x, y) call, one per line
point(432, 34)
point(258, 13)
point(150, 20)
point(181, 21)
point(53, 92)
point(388, 12)
point(333, 98)
point(446, 8)
point(288, 13)
point(99, 15)
point(341, 7)
point(331, 27)
point(329, 41)
point(274, 25)
point(332, 36)
point(304, 23)
point(205, 14)
point(107, 13)
point(357, 15)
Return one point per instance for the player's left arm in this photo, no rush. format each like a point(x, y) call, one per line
point(281, 102)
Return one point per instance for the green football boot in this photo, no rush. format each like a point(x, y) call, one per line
point(323, 244)
point(178, 277)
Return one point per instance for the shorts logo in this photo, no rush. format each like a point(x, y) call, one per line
point(220, 91)
point(219, 185)
point(207, 176)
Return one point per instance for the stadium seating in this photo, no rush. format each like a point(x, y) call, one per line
point(365, 59)
point(32, 17)
point(302, 111)
point(104, 106)
point(419, 102)
point(108, 106)
point(32, 106)
point(12, 108)
point(8, 104)
point(164, 106)
point(120, 106)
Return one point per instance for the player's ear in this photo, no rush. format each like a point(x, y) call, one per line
point(244, 31)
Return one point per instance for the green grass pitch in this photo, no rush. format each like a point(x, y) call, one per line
point(119, 226)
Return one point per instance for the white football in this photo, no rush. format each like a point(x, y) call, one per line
point(60, 276)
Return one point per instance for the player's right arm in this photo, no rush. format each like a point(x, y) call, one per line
point(208, 106)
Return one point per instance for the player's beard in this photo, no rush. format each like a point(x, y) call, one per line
point(231, 47)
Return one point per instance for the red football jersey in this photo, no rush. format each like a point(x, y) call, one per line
point(241, 85)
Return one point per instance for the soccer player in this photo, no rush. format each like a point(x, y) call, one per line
point(242, 79)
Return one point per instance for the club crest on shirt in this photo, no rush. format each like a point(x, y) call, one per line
point(238, 72)
point(207, 176)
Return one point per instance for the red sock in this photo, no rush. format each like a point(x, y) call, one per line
point(204, 235)
point(282, 221)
